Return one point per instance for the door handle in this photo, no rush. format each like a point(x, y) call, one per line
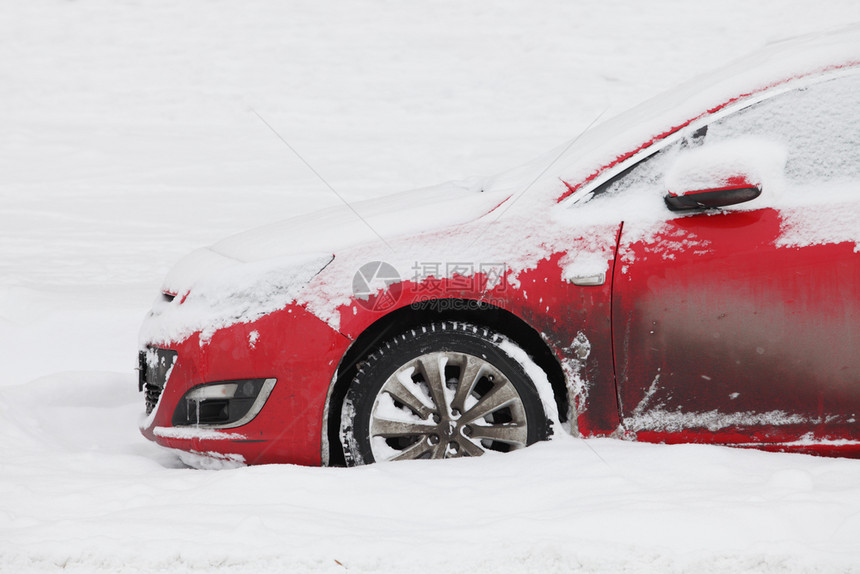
point(589, 280)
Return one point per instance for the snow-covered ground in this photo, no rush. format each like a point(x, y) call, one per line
point(131, 135)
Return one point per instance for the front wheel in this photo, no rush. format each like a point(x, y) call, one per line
point(443, 390)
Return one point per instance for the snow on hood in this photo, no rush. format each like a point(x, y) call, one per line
point(332, 229)
point(379, 219)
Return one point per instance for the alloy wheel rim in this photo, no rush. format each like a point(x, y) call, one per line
point(446, 405)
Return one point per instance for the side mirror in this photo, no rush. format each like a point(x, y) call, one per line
point(736, 190)
point(725, 173)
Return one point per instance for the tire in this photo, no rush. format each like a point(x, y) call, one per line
point(398, 407)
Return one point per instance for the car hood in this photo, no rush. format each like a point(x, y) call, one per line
point(319, 235)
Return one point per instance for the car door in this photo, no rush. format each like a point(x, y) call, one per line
point(742, 324)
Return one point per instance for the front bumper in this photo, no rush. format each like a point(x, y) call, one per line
point(291, 351)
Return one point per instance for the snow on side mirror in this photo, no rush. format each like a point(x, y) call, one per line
point(723, 174)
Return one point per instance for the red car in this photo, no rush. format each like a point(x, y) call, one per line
point(686, 272)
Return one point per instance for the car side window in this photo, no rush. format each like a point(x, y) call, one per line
point(645, 175)
point(817, 127)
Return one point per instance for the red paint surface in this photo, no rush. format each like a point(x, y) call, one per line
point(732, 325)
point(294, 347)
point(553, 307)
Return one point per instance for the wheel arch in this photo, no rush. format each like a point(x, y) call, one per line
point(411, 316)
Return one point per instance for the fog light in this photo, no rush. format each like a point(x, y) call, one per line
point(216, 391)
point(223, 405)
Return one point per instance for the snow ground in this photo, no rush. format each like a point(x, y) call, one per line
point(129, 138)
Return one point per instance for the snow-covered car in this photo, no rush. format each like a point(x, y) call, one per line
point(686, 272)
